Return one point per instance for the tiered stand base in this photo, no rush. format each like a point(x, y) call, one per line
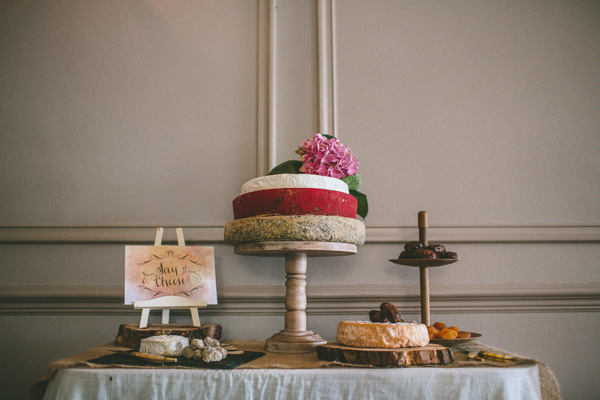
point(295, 338)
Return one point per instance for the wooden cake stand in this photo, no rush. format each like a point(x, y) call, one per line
point(423, 264)
point(295, 338)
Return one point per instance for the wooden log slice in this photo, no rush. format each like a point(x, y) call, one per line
point(431, 354)
point(130, 335)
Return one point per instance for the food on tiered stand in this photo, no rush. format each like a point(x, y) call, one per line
point(415, 250)
point(310, 200)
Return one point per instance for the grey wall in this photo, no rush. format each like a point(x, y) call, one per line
point(117, 117)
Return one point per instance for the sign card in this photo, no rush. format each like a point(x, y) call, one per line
point(156, 271)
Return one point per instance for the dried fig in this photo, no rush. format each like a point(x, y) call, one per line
point(412, 246)
point(390, 312)
point(450, 254)
point(376, 316)
point(425, 254)
point(437, 248)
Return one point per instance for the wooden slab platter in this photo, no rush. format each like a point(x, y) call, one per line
point(432, 354)
point(130, 335)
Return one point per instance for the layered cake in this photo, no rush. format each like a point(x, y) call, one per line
point(384, 335)
point(295, 207)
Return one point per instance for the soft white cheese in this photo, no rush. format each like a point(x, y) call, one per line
point(164, 345)
point(284, 181)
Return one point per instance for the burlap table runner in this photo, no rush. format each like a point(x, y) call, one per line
point(550, 388)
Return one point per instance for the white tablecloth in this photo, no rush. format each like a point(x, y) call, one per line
point(469, 383)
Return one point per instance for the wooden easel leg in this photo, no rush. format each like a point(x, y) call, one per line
point(195, 316)
point(144, 319)
point(165, 316)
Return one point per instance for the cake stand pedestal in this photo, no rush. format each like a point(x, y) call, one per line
point(295, 338)
point(423, 265)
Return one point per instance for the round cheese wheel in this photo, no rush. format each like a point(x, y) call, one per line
point(294, 201)
point(383, 335)
point(283, 181)
point(317, 228)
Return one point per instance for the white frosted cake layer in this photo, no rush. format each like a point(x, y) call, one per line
point(284, 181)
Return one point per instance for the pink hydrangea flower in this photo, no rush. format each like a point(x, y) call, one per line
point(327, 157)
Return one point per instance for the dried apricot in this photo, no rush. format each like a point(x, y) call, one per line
point(454, 328)
point(463, 335)
point(448, 334)
point(433, 332)
point(439, 326)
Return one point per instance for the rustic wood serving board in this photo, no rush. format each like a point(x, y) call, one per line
point(130, 335)
point(431, 354)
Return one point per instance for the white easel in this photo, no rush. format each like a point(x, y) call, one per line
point(167, 303)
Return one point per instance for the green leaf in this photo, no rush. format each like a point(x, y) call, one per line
point(353, 181)
point(363, 204)
point(328, 137)
point(287, 167)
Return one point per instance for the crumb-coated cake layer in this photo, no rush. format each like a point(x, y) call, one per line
point(318, 228)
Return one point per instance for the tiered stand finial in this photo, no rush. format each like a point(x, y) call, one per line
point(295, 338)
point(423, 265)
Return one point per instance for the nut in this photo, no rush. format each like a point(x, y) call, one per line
point(208, 342)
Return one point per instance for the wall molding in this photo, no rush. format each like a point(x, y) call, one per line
point(375, 234)
point(322, 300)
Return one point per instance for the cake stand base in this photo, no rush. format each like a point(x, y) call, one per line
point(295, 338)
point(294, 342)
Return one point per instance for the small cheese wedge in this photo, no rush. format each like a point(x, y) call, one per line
point(164, 345)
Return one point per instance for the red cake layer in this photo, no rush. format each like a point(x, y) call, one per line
point(294, 201)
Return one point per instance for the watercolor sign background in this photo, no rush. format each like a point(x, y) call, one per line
point(156, 271)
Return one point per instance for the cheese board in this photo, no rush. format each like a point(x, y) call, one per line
point(431, 354)
point(131, 335)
